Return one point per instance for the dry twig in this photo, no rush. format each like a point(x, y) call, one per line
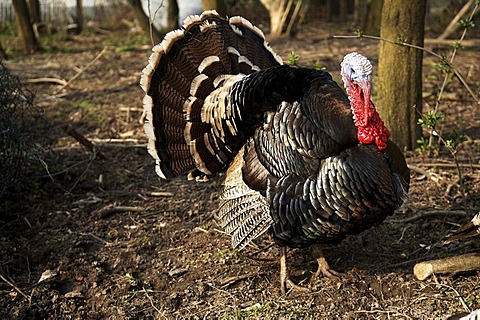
point(15, 287)
point(47, 80)
point(105, 49)
point(430, 175)
point(160, 194)
point(71, 131)
point(112, 208)
point(430, 214)
point(231, 280)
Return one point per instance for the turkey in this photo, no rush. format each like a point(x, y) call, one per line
point(468, 230)
point(301, 159)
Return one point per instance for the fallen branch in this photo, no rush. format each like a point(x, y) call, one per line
point(134, 109)
point(104, 145)
point(449, 165)
point(105, 242)
point(111, 208)
point(430, 214)
point(231, 280)
point(14, 287)
point(160, 194)
point(430, 175)
point(82, 70)
point(116, 140)
point(47, 80)
point(452, 265)
point(71, 131)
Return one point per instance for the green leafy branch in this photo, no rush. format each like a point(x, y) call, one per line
point(430, 120)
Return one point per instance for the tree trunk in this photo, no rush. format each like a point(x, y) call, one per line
point(80, 16)
point(24, 26)
point(279, 11)
point(360, 14)
point(343, 11)
point(218, 5)
point(144, 21)
point(172, 14)
point(34, 10)
point(374, 16)
point(399, 99)
point(3, 53)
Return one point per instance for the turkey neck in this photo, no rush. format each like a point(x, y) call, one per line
point(321, 99)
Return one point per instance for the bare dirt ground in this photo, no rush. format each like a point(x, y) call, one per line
point(166, 259)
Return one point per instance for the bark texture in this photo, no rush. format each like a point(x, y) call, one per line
point(24, 26)
point(399, 98)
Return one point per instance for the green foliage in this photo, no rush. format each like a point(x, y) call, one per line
point(442, 65)
point(359, 33)
point(457, 45)
point(318, 66)
point(455, 140)
point(430, 119)
point(424, 146)
point(466, 23)
point(293, 59)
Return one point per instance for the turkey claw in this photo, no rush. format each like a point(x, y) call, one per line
point(327, 272)
point(288, 283)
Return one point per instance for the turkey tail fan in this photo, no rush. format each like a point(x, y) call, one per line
point(243, 212)
point(187, 81)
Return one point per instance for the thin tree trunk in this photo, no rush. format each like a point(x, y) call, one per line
point(24, 26)
point(343, 11)
point(374, 16)
point(34, 10)
point(144, 21)
point(172, 14)
point(218, 5)
point(80, 16)
point(3, 53)
point(361, 11)
point(399, 99)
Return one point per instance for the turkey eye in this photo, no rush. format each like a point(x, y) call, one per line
point(352, 73)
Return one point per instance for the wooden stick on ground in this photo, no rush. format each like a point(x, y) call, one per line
point(15, 287)
point(453, 265)
point(71, 131)
point(111, 208)
point(430, 214)
point(47, 80)
point(82, 70)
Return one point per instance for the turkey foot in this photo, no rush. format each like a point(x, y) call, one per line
point(285, 280)
point(323, 266)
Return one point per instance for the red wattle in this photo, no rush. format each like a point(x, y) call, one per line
point(370, 126)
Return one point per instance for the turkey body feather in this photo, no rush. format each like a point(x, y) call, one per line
point(218, 99)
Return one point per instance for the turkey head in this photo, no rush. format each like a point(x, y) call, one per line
point(356, 75)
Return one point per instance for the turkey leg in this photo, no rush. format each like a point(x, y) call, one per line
point(323, 266)
point(285, 280)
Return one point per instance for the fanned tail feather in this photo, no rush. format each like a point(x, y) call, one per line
point(190, 122)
